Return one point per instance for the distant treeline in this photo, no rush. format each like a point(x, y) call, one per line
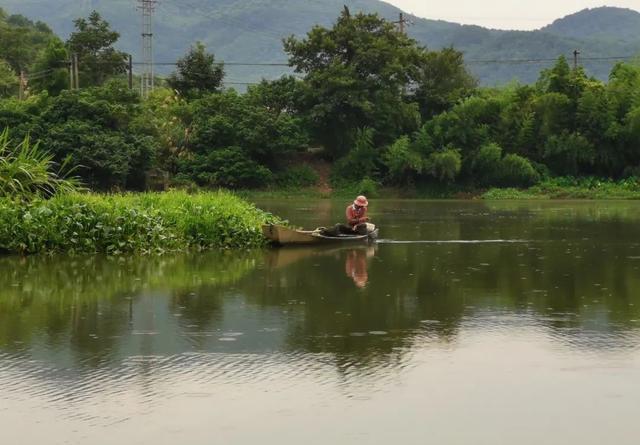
point(367, 98)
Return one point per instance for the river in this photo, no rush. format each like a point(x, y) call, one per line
point(468, 322)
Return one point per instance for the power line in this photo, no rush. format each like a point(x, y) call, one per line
point(506, 61)
point(225, 18)
point(611, 58)
point(223, 63)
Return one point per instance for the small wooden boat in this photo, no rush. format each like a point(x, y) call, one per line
point(285, 236)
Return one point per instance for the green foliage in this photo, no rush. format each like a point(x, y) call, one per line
point(298, 176)
point(229, 119)
point(361, 159)
point(92, 127)
point(8, 80)
point(572, 188)
point(354, 76)
point(197, 73)
point(568, 154)
point(21, 40)
point(443, 81)
point(444, 165)
point(372, 100)
point(402, 163)
point(367, 187)
point(116, 224)
point(487, 165)
point(28, 172)
point(165, 117)
point(229, 167)
point(93, 42)
point(50, 68)
point(283, 95)
point(518, 171)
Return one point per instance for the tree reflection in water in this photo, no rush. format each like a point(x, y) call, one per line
point(577, 277)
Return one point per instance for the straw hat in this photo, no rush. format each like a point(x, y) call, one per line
point(361, 201)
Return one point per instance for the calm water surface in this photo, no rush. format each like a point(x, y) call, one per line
point(469, 322)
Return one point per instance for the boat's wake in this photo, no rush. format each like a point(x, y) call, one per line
point(456, 241)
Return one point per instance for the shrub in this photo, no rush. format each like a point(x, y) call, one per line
point(518, 171)
point(486, 164)
point(297, 177)
point(401, 161)
point(361, 159)
point(367, 187)
point(444, 165)
point(568, 154)
point(229, 167)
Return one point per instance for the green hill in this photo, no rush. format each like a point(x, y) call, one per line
point(605, 24)
point(251, 31)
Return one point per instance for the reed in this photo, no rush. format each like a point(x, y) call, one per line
point(27, 171)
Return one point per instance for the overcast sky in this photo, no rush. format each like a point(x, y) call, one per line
point(504, 14)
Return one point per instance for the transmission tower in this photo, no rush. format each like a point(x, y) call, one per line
point(147, 7)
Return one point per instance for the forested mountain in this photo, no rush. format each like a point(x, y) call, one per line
point(606, 24)
point(251, 31)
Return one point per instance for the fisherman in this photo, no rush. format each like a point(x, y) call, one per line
point(357, 215)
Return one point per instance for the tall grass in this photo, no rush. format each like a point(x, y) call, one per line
point(27, 171)
point(143, 222)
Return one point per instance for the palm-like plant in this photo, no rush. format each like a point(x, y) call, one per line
point(27, 171)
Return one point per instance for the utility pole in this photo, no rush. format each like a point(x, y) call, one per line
point(130, 72)
point(71, 73)
point(23, 83)
point(576, 53)
point(147, 7)
point(402, 22)
point(76, 74)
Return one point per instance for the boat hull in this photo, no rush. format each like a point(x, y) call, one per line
point(284, 236)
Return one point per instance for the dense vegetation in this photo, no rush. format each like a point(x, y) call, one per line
point(144, 222)
point(252, 32)
point(366, 98)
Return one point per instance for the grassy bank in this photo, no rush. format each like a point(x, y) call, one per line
point(571, 188)
point(144, 222)
point(556, 188)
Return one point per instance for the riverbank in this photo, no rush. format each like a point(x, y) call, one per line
point(133, 222)
point(570, 188)
point(556, 188)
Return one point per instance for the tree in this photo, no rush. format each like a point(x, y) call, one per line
point(52, 74)
point(93, 43)
point(282, 95)
point(92, 127)
point(443, 81)
point(230, 120)
point(197, 74)
point(355, 74)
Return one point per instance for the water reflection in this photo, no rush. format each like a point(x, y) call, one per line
point(354, 301)
point(358, 319)
point(356, 265)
